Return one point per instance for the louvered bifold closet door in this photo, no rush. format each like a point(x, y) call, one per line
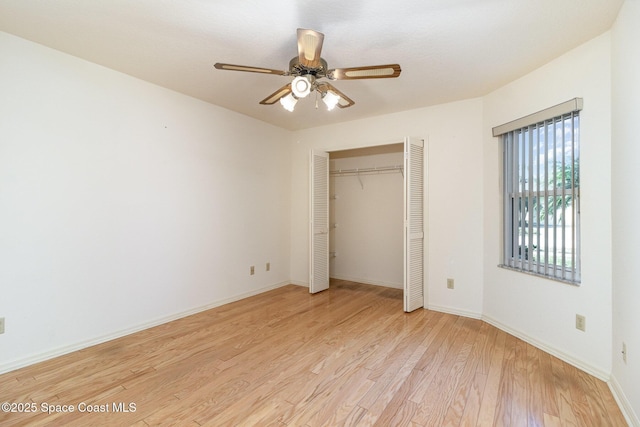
point(319, 223)
point(414, 224)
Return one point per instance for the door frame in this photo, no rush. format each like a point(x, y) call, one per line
point(425, 201)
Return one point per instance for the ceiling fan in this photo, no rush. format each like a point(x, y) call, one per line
point(308, 68)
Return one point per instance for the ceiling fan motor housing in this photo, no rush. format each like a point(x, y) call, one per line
point(297, 69)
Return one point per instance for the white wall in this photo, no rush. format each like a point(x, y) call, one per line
point(454, 167)
point(540, 310)
point(123, 204)
point(626, 204)
point(368, 239)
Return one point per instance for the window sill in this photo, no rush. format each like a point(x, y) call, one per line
point(542, 276)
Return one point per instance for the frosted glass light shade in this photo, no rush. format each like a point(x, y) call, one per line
point(288, 102)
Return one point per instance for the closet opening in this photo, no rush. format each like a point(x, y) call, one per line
point(366, 215)
point(360, 212)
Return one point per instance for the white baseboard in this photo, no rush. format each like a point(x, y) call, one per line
point(624, 404)
point(580, 364)
point(295, 282)
point(20, 363)
point(369, 282)
point(614, 386)
point(616, 390)
point(618, 394)
point(352, 279)
point(455, 311)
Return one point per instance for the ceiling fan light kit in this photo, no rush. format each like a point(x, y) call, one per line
point(301, 86)
point(288, 102)
point(330, 99)
point(307, 68)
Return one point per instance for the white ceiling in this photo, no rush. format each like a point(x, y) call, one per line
point(448, 49)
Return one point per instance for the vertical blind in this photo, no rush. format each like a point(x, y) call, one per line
point(542, 192)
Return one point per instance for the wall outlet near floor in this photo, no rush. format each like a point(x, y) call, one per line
point(252, 270)
point(581, 323)
point(1, 325)
point(624, 352)
point(268, 267)
point(450, 284)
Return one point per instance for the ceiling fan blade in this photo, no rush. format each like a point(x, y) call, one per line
point(344, 100)
point(370, 72)
point(232, 67)
point(309, 47)
point(275, 96)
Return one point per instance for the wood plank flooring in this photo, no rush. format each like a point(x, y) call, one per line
point(345, 357)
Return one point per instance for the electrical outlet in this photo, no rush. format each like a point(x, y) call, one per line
point(252, 270)
point(268, 268)
point(581, 323)
point(450, 284)
point(1, 325)
point(624, 352)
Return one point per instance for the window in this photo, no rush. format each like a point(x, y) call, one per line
point(542, 193)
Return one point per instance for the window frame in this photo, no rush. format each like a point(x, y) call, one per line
point(524, 167)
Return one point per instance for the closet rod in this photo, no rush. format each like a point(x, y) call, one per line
point(366, 170)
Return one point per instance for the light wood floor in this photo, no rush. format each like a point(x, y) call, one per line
point(348, 356)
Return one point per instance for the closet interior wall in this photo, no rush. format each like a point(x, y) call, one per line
point(366, 215)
